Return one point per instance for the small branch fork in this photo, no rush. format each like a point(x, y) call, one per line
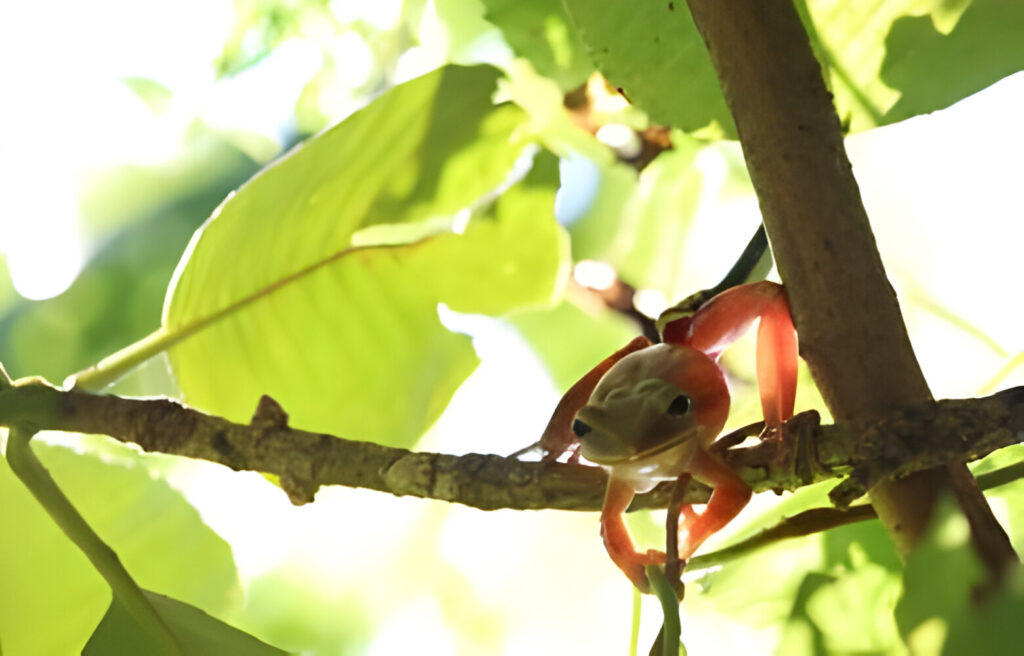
point(805, 452)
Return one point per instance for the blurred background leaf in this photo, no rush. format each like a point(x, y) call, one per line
point(937, 613)
point(541, 32)
point(651, 52)
point(880, 60)
point(117, 296)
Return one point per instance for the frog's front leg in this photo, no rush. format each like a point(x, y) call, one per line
point(616, 536)
point(730, 495)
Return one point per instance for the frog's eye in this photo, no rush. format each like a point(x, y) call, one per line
point(580, 429)
point(679, 406)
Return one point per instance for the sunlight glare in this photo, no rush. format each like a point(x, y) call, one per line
point(353, 59)
point(39, 229)
point(949, 184)
point(621, 138)
point(651, 302)
point(478, 419)
point(381, 14)
point(260, 99)
point(417, 626)
point(594, 274)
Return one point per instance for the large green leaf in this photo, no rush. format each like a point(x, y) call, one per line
point(278, 294)
point(197, 633)
point(880, 58)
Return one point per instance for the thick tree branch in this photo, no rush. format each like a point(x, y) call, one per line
point(851, 331)
point(914, 439)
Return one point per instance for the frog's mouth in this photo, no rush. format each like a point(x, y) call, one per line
point(592, 447)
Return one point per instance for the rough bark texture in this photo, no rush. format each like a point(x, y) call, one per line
point(851, 331)
point(806, 452)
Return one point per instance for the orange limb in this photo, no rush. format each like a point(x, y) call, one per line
point(776, 363)
point(730, 496)
point(558, 436)
point(720, 321)
point(617, 539)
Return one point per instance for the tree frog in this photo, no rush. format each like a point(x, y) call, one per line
point(650, 412)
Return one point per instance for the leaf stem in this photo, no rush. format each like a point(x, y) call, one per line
point(634, 629)
point(662, 589)
point(755, 254)
point(112, 367)
point(115, 365)
point(27, 467)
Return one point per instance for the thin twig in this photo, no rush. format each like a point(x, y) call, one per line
point(816, 520)
point(673, 566)
point(802, 524)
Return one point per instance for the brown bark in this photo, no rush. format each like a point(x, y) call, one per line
point(851, 331)
point(915, 438)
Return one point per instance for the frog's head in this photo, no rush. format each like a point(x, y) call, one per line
point(650, 402)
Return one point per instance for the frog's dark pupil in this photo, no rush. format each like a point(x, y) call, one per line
point(579, 428)
point(679, 406)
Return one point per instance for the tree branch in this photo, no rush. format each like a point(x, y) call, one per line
point(806, 452)
point(852, 334)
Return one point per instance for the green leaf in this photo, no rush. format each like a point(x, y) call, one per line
point(197, 633)
point(803, 584)
point(279, 294)
point(652, 52)
point(540, 31)
point(879, 58)
point(863, 595)
point(158, 536)
point(426, 149)
point(940, 611)
point(883, 59)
